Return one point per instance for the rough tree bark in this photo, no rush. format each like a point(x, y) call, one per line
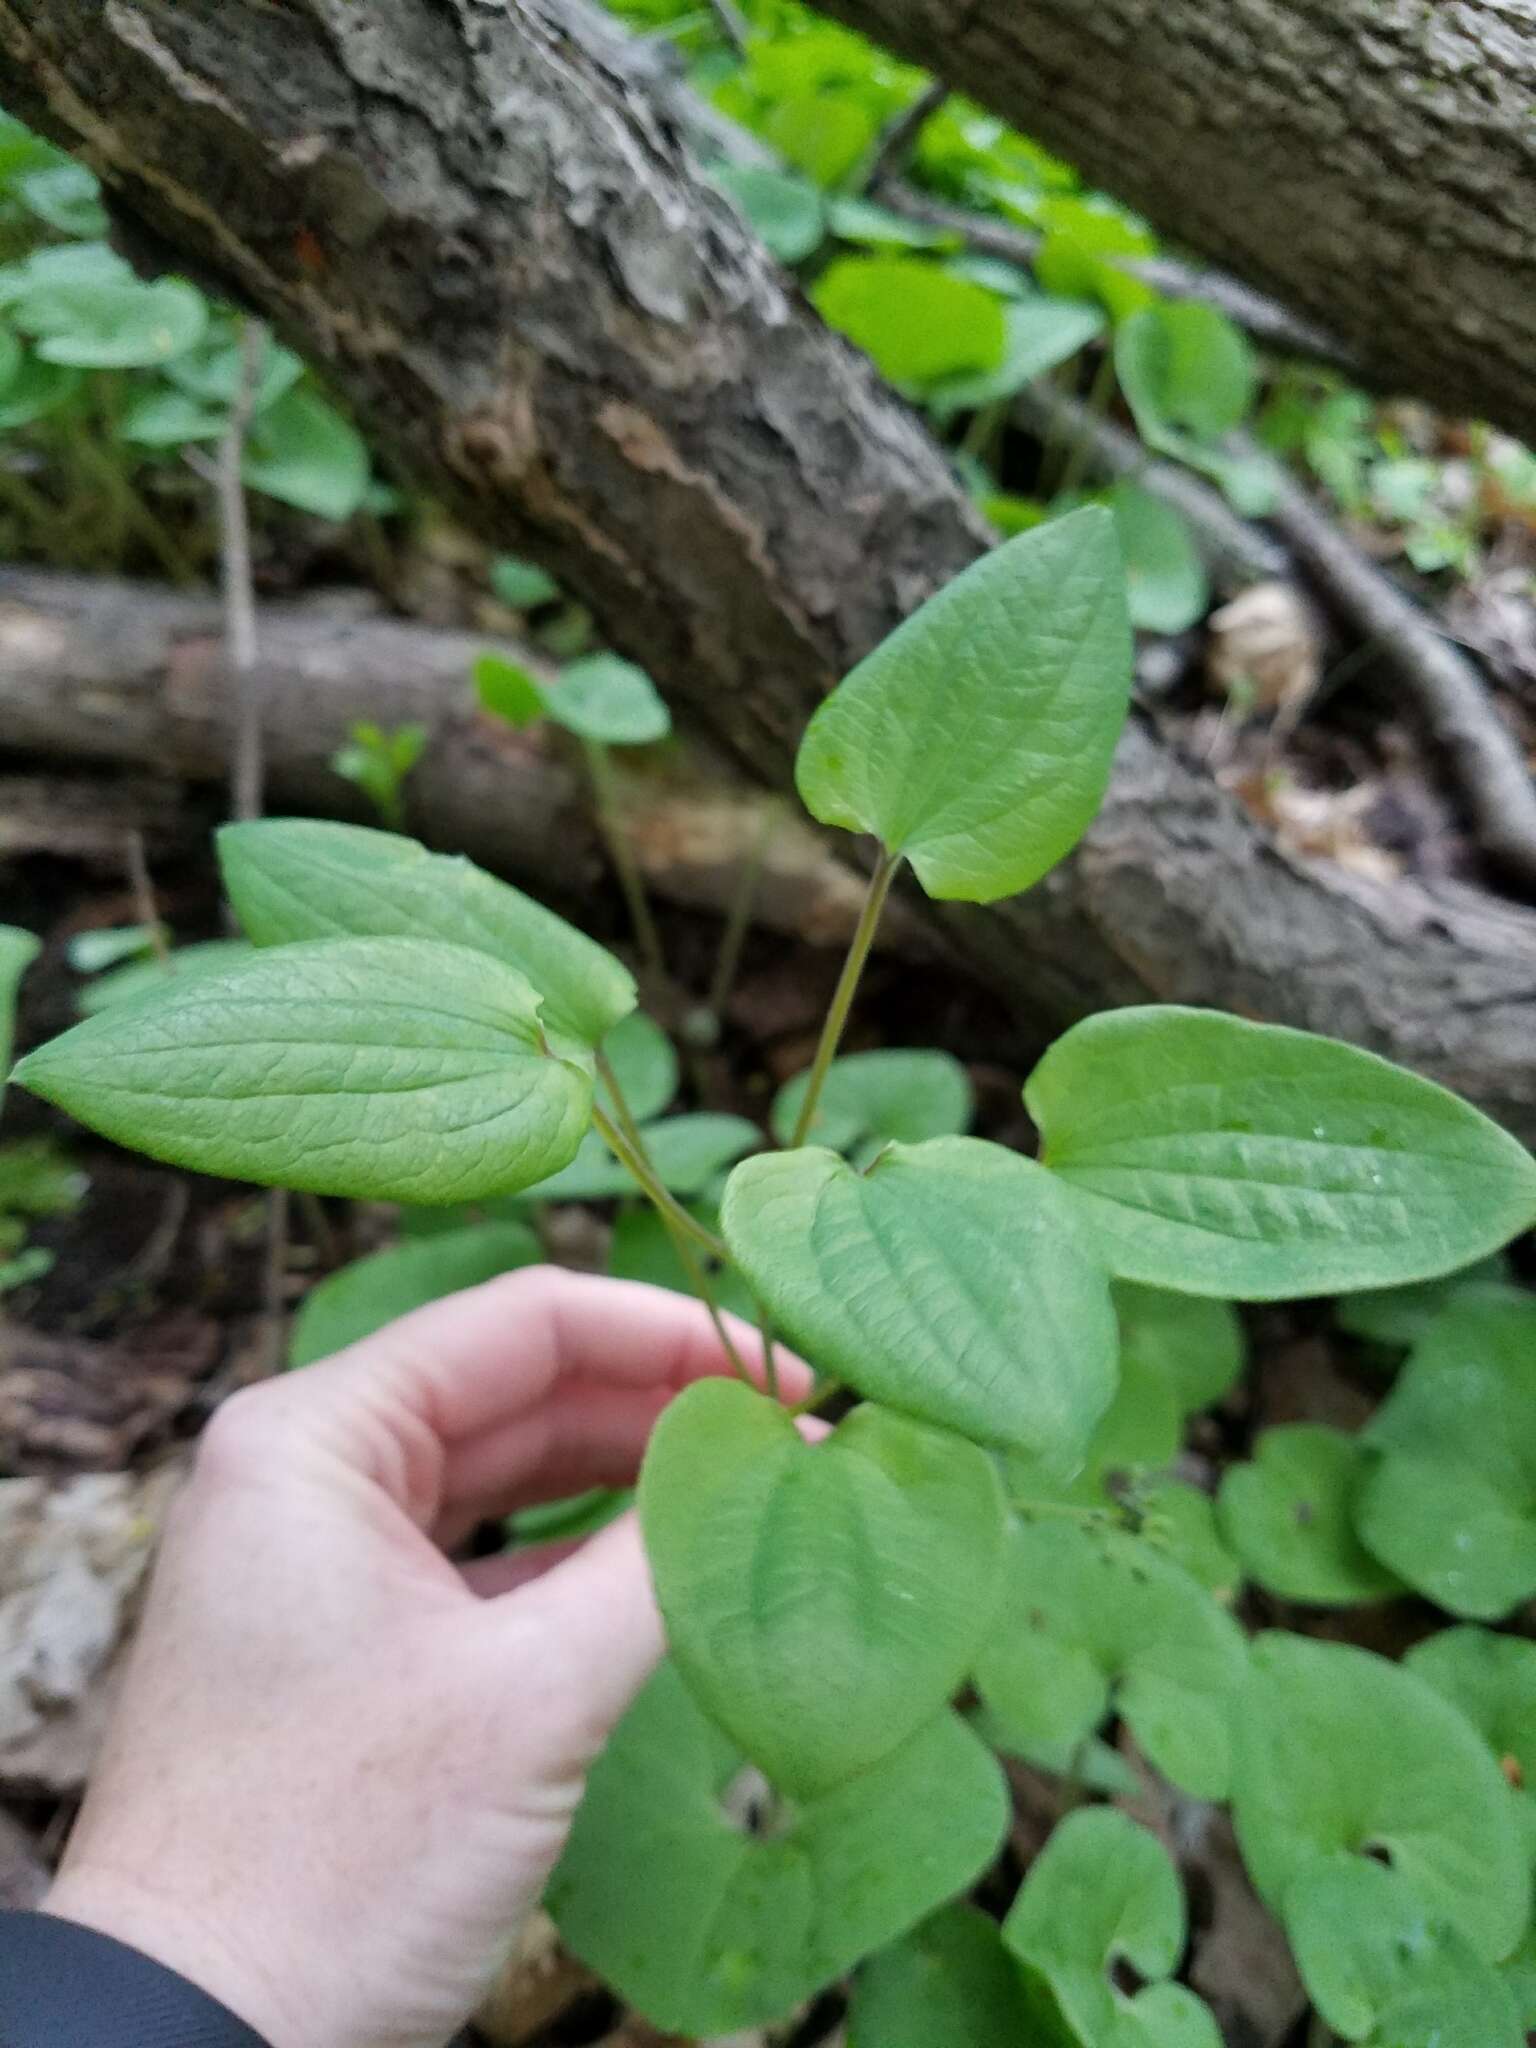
point(473, 218)
point(1370, 163)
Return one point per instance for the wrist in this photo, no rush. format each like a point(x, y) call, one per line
point(187, 1940)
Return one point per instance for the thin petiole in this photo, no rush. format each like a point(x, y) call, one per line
point(813, 1400)
point(645, 1173)
point(843, 994)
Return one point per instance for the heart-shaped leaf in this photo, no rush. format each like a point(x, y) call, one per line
point(301, 878)
point(1103, 1892)
point(946, 1281)
point(1095, 1617)
point(950, 1981)
point(111, 326)
point(1450, 1501)
point(1220, 1157)
point(602, 698)
point(1339, 1751)
point(915, 319)
point(351, 1304)
point(880, 1097)
point(824, 1601)
point(1289, 1517)
point(1382, 1970)
point(1184, 366)
point(392, 1069)
point(640, 1057)
point(976, 740)
point(708, 1929)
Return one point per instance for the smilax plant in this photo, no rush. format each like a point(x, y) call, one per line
point(408, 1028)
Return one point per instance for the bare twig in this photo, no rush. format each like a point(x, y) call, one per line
point(144, 896)
point(239, 590)
point(1484, 757)
point(892, 148)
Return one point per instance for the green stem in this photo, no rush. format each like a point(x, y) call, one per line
point(611, 825)
point(847, 986)
point(645, 1173)
point(823, 1391)
point(679, 1225)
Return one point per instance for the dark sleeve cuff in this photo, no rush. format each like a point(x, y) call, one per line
point(65, 1986)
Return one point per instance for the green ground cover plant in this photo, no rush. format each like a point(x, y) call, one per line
point(1007, 1349)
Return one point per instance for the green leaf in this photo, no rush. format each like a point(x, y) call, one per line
point(507, 690)
point(610, 701)
point(1379, 1968)
point(18, 949)
point(214, 372)
point(393, 1069)
point(708, 1929)
point(1492, 1679)
point(1222, 1157)
point(915, 319)
point(891, 1096)
point(351, 1304)
point(1166, 580)
point(143, 977)
point(64, 196)
point(823, 1601)
point(1185, 366)
point(1450, 1501)
point(569, 1520)
point(524, 586)
point(640, 1056)
point(1103, 1892)
point(90, 951)
point(72, 263)
point(946, 1282)
point(34, 391)
point(689, 1154)
point(786, 210)
point(949, 1984)
point(1396, 1317)
point(977, 738)
point(1084, 251)
point(854, 219)
point(164, 417)
point(302, 452)
point(1179, 1520)
point(1338, 1750)
point(12, 356)
point(112, 326)
point(1192, 1344)
point(1039, 333)
point(1093, 1618)
point(300, 878)
point(1288, 1517)
point(822, 134)
point(36, 1179)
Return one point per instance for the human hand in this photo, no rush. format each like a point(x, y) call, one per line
point(342, 1768)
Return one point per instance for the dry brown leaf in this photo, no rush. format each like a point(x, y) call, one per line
point(73, 1558)
point(1263, 653)
point(1330, 824)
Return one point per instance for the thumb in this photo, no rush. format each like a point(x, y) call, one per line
point(584, 1638)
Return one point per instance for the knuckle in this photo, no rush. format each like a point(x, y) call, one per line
point(240, 1436)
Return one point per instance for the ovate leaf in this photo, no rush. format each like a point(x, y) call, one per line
point(605, 699)
point(302, 451)
point(640, 1056)
point(785, 210)
point(708, 1928)
point(1096, 1617)
point(880, 1097)
point(917, 320)
point(300, 878)
point(1450, 1500)
point(395, 1069)
point(1165, 577)
point(1339, 1751)
point(524, 586)
point(1185, 366)
point(1221, 1157)
point(351, 1304)
point(946, 1282)
point(1288, 1515)
point(950, 1980)
point(822, 1601)
point(977, 738)
point(164, 417)
point(507, 690)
